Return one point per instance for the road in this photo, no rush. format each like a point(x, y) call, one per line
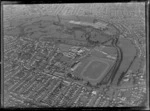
point(119, 59)
point(111, 74)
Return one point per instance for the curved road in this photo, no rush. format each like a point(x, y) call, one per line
point(119, 59)
point(111, 74)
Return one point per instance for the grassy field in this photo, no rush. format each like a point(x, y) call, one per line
point(95, 69)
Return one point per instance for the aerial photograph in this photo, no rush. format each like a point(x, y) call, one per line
point(74, 55)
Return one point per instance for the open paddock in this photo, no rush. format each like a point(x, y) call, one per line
point(129, 53)
point(110, 51)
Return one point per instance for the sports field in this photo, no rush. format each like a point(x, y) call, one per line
point(95, 69)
